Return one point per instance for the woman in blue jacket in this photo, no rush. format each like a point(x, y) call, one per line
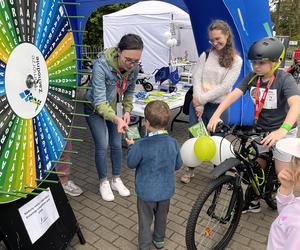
point(111, 94)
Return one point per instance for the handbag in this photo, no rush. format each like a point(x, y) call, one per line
point(187, 100)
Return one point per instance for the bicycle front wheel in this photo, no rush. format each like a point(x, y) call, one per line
point(215, 215)
point(271, 188)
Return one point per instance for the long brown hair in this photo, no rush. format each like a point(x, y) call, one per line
point(227, 54)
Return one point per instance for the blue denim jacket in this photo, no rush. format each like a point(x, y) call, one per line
point(155, 159)
point(103, 92)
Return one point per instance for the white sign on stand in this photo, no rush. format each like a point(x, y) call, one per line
point(38, 215)
point(293, 43)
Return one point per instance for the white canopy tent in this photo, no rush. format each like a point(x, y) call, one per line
point(151, 20)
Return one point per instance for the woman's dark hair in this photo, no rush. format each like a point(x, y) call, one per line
point(130, 42)
point(228, 53)
point(158, 114)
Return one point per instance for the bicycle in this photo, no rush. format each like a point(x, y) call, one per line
point(143, 79)
point(216, 213)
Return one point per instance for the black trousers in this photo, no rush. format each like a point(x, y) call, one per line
point(147, 210)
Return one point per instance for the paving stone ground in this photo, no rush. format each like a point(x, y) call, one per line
point(113, 225)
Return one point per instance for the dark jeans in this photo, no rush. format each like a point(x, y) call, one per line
point(146, 211)
point(209, 110)
point(105, 133)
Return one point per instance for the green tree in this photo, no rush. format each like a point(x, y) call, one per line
point(94, 25)
point(285, 15)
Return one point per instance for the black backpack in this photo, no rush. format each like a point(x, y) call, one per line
point(189, 94)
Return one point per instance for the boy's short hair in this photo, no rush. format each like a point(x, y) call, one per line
point(158, 114)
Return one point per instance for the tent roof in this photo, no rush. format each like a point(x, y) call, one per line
point(151, 8)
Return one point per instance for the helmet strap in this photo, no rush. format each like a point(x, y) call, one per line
point(280, 59)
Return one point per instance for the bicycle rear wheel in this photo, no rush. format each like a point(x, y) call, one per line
point(215, 215)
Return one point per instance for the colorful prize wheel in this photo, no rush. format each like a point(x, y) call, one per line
point(37, 88)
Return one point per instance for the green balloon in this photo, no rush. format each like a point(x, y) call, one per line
point(205, 148)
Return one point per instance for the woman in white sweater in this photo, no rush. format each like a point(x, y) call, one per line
point(214, 74)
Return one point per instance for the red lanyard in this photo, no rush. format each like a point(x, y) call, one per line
point(122, 88)
point(260, 103)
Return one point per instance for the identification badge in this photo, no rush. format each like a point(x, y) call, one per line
point(271, 99)
point(119, 109)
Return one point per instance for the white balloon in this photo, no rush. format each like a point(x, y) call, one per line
point(167, 35)
point(188, 155)
point(224, 147)
point(170, 43)
point(174, 42)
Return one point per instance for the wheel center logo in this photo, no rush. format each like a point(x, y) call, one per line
point(26, 95)
point(26, 80)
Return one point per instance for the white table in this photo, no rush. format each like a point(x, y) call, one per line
point(138, 109)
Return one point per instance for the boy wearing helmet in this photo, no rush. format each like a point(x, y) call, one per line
point(275, 96)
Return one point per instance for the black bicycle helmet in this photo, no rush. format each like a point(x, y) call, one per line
point(268, 48)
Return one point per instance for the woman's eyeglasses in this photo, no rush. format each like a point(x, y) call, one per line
point(132, 61)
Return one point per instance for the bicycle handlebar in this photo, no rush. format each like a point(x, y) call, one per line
point(240, 131)
point(248, 134)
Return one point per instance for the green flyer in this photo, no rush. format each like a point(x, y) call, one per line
point(198, 129)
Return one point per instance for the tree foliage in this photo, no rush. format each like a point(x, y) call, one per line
point(285, 15)
point(94, 25)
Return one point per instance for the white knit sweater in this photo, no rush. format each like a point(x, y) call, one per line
point(211, 81)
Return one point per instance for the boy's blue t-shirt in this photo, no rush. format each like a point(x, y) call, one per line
point(276, 105)
point(155, 159)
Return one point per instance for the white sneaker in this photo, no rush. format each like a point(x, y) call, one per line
point(105, 191)
point(117, 185)
point(71, 188)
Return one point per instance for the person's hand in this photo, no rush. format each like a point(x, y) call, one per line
point(121, 124)
point(129, 141)
point(287, 179)
point(126, 117)
point(213, 122)
point(196, 101)
point(199, 111)
point(271, 139)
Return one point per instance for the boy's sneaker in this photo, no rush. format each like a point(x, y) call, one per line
point(117, 185)
point(71, 188)
point(158, 244)
point(105, 191)
point(253, 207)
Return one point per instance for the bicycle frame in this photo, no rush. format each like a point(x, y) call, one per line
point(248, 166)
point(244, 165)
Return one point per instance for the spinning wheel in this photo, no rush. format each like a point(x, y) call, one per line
point(37, 88)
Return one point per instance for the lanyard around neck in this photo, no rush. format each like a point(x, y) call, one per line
point(121, 89)
point(260, 103)
point(158, 132)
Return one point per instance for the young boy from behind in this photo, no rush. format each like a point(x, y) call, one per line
point(155, 157)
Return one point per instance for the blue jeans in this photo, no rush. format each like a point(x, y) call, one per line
point(209, 110)
point(105, 133)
